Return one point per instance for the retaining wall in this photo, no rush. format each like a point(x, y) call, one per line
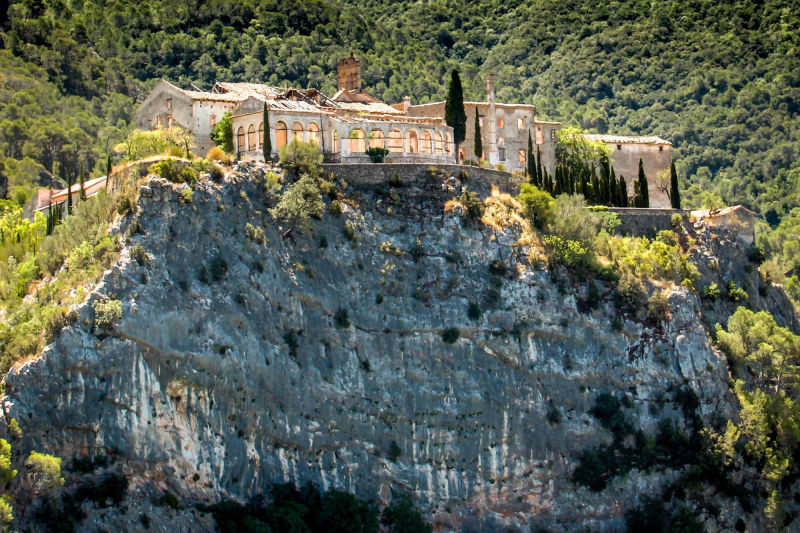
point(644, 222)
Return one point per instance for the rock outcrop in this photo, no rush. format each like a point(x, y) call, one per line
point(240, 361)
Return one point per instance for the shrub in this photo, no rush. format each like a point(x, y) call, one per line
point(300, 158)
point(218, 268)
point(537, 204)
point(553, 413)
point(395, 180)
point(417, 251)
point(124, 206)
point(451, 335)
point(217, 154)
point(290, 338)
point(403, 517)
point(173, 171)
point(350, 231)
point(335, 208)
point(377, 154)
point(568, 252)
point(657, 309)
point(630, 294)
point(473, 207)
point(106, 313)
point(463, 175)
point(501, 167)
point(168, 500)
point(498, 267)
point(608, 412)
point(255, 233)
point(676, 220)
point(394, 451)
point(474, 311)
point(46, 470)
point(341, 318)
point(187, 195)
point(298, 204)
point(736, 294)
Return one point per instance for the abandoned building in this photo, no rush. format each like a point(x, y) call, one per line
point(345, 125)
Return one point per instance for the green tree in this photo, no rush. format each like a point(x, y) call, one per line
point(531, 162)
point(267, 147)
point(643, 187)
point(299, 158)
point(623, 192)
point(222, 134)
point(301, 202)
point(536, 203)
point(454, 114)
point(403, 517)
point(674, 190)
point(478, 141)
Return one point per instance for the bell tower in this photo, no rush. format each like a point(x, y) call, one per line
point(349, 73)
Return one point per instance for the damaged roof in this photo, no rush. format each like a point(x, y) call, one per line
point(626, 139)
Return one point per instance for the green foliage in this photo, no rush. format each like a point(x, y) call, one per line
point(349, 230)
point(335, 208)
point(394, 451)
point(478, 145)
point(138, 253)
point(450, 335)
point(473, 207)
point(736, 294)
point(145, 143)
point(218, 268)
point(402, 517)
point(298, 204)
point(222, 133)
point(712, 292)
point(255, 233)
point(341, 318)
point(657, 309)
point(640, 257)
point(454, 114)
point(45, 469)
point(652, 516)
point(174, 171)
point(187, 195)
point(377, 153)
point(266, 147)
point(7, 474)
point(106, 313)
point(674, 189)
point(474, 311)
point(537, 204)
point(300, 158)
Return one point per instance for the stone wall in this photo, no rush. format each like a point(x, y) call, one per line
point(655, 159)
point(644, 222)
point(376, 173)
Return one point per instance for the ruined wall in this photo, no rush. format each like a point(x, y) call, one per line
point(202, 111)
point(655, 159)
point(644, 222)
point(156, 105)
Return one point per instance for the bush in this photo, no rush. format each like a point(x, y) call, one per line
point(451, 335)
point(290, 338)
point(217, 154)
point(403, 517)
point(341, 318)
point(498, 267)
point(173, 171)
point(608, 412)
point(187, 195)
point(417, 251)
point(124, 206)
point(394, 451)
point(630, 294)
point(300, 158)
point(657, 309)
point(301, 202)
point(568, 252)
point(106, 313)
point(350, 231)
point(736, 294)
point(676, 220)
point(474, 311)
point(377, 154)
point(335, 208)
point(395, 180)
point(473, 207)
point(255, 233)
point(218, 268)
point(537, 204)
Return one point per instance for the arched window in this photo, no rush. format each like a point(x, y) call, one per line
point(376, 139)
point(281, 133)
point(358, 141)
point(335, 138)
point(313, 134)
point(448, 145)
point(412, 142)
point(522, 156)
point(240, 147)
point(395, 141)
point(501, 123)
point(252, 140)
point(437, 143)
point(297, 132)
point(261, 134)
point(427, 143)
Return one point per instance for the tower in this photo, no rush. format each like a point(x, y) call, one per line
point(349, 73)
point(491, 118)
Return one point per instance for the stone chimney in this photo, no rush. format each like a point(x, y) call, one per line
point(349, 73)
point(406, 103)
point(491, 117)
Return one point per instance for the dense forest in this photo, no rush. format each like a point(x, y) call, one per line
point(720, 80)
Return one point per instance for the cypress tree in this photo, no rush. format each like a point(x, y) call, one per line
point(623, 192)
point(454, 114)
point(539, 175)
point(595, 195)
point(83, 189)
point(638, 201)
point(531, 162)
point(69, 194)
point(603, 181)
point(613, 189)
point(558, 186)
point(674, 191)
point(643, 188)
point(267, 144)
point(478, 143)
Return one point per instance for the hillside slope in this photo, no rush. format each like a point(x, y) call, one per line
point(241, 361)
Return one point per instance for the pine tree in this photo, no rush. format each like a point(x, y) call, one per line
point(454, 114)
point(531, 162)
point(674, 191)
point(478, 143)
point(643, 187)
point(267, 142)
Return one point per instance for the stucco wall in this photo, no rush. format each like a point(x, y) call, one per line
point(655, 159)
point(202, 111)
point(157, 105)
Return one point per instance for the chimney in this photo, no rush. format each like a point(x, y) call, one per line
point(406, 103)
point(348, 72)
point(490, 88)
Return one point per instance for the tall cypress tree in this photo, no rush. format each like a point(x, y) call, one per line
point(83, 189)
point(595, 196)
point(454, 114)
point(539, 175)
point(531, 162)
point(69, 194)
point(612, 189)
point(623, 192)
point(674, 191)
point(638, 201)
point(603, 182)
point(643, 188)
point(478, 142)
point(267, 144)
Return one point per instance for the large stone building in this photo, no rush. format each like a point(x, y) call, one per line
point(626, 151)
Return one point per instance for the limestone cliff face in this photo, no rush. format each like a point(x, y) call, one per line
point(305, 362)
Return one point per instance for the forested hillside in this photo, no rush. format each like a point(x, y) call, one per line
point(721, 81)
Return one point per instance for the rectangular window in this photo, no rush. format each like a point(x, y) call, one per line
point(522, 157)
point(619, 147)
point(169, 120)
point(501, 154)
point(660, 148)
point(553, 134)
point(212, 120)
point(158, 120)
point(480, 122)
point(520, 123)
point(501, 123)
point(169, 103)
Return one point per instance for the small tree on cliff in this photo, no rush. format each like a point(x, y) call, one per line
point(222, 134)
point(301, 201)
point(643, 190)
point(674, 191)
point(478, 142)
point(454, 114)
point(267, 146)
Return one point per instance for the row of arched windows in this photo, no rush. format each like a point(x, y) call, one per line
point(250, 141)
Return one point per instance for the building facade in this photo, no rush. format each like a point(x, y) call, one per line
point(654, 152)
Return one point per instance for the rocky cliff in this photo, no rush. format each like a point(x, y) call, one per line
point(241, 360)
